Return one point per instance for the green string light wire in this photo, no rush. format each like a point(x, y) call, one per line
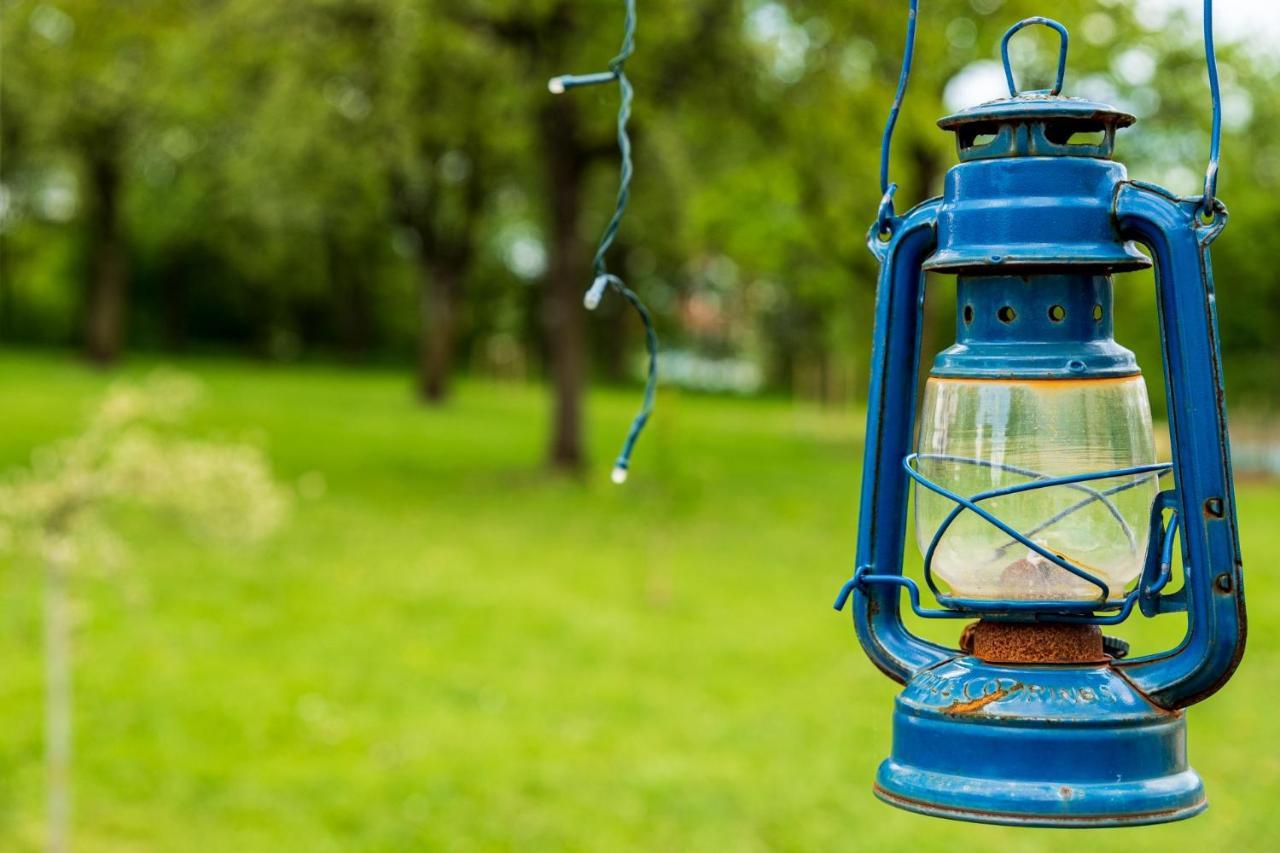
point(603, 278)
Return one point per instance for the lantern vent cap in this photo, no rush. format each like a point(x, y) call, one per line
point(1036, 122)
point(1038, 106)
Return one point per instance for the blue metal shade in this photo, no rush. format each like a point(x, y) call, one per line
point(1027, 214)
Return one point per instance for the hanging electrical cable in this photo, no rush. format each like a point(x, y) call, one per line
point(603, 278)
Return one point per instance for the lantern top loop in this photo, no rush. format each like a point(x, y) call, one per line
point(1062, 53)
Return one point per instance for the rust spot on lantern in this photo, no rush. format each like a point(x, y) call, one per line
point(1036, 642)
point(982, 701)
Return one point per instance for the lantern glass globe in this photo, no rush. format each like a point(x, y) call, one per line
point(978, 435)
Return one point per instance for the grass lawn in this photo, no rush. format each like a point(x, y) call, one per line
point(449, 649)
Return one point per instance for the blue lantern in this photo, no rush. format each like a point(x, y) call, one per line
point(1040, 508)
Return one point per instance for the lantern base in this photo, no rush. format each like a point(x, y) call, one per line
point(1068, 746)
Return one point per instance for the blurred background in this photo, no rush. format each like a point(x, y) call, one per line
point(310, 541)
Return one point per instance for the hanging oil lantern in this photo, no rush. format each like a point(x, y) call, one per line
point(1041, 510)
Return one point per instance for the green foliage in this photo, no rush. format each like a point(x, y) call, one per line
point(292, 171)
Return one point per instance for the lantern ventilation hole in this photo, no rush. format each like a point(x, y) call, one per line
point(1090, 138)
point(1075, 132)
point(968, 314)
point(1097, 313)
point(1006, 314)
point(978, 136)
point(1057, 313)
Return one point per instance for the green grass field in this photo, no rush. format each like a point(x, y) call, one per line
point(450, 649)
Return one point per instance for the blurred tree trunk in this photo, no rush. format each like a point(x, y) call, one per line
point(438, 309)
point(108, 265)
point(446, 254)
point(567, 160)
point(547, 43)
point(443, 268)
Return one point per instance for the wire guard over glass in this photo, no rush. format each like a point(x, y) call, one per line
point(1150, 584)
point(1136, 475)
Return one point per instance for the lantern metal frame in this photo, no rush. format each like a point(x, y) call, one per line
point(1173, 229)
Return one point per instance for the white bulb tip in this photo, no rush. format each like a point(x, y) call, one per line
point(555, 86)
point(593, 296)
point(619, 475)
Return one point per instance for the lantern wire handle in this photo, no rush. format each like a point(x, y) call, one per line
point(1063, 38)
point(1215, 137)
point(603, 278)
point(885, 212)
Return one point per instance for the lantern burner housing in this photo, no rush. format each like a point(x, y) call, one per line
point(1035, 326)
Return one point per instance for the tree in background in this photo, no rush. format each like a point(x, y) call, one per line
point(545, 38)
point(688, 48)
point(448, 142)
point(80, 80)
point(391, 179)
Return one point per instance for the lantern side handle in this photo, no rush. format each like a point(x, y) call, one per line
point(1179, 236)
point(891, 412)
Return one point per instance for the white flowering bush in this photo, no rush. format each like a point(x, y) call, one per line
point(56, 510)
point(132, 453)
